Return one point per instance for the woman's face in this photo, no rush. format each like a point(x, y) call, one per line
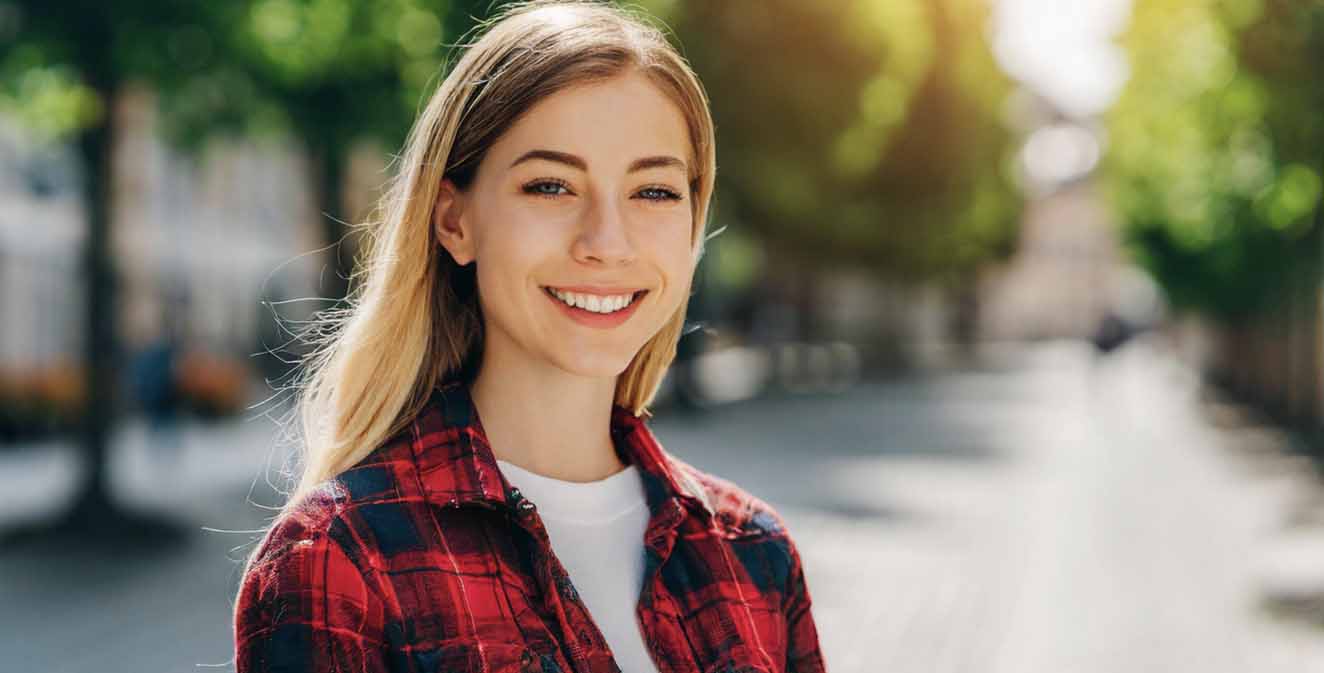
point(587, 192)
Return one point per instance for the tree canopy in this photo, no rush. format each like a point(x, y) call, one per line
point(863, 132)
point(1216, 151)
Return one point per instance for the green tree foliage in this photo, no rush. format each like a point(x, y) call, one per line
point(1216, 149)
point(861, 132)
point(60, 61)
point(330, 72)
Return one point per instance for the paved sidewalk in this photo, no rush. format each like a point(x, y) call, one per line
point(1058, 515)
point(1046, 514)
point(188, 473)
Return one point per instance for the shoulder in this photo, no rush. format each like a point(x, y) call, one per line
point(327, 518)
point(309, 532)
point(344, 510)
point(735, 510)
point(752, 530)
point(309, 598)
point(308, 559)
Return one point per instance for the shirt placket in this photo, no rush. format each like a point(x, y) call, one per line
point(660, 631)
point(579, 633)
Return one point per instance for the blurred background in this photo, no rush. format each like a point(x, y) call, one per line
point(1016, 313)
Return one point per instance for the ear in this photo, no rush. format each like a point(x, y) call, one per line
point(450, 226)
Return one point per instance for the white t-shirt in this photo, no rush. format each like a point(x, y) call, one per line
point(597, 531)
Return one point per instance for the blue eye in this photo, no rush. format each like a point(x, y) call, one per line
point(549, 188)
point(659, 194)
point(552, 188)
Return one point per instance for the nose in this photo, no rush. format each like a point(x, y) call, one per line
point(604, 237)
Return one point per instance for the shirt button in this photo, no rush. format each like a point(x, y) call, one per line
point(526, 505)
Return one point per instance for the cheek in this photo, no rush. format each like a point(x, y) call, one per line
point(675, 240)
point(675, 255)
point(505, 266)
point(507, 238)
point(505, 263)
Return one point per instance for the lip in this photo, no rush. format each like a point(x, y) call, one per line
point(600, 290)
point(597, 320)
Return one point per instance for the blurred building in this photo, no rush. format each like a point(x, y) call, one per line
point(199, 243)
point(41, 234)
point(199, 240)
point(1063, 277)
point(1068, 271)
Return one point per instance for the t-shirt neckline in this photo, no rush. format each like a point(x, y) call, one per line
point(578, 502)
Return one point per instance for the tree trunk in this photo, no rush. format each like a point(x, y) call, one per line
point(96, 523)
point(328, 159)
point(964, 300)
point(807, 320)
point(100, 353)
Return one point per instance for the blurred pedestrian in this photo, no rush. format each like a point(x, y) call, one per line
point(155, 383)
point(1112, 333)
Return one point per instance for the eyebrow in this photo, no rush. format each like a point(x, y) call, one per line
point(645, 163)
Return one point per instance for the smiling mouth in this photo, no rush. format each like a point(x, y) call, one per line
point(602, 315)
point(634, 298)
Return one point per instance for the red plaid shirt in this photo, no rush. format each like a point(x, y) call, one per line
point(423, 558)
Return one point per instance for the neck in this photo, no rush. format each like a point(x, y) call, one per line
point(546, 420)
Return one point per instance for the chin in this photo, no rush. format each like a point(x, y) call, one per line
point(595, 365)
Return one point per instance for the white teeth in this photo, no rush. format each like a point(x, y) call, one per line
point(594, 303)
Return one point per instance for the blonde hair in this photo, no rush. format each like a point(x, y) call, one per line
point(413, 320)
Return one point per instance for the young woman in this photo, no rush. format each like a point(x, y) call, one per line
point(481, 491)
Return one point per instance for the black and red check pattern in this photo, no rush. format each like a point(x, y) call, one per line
point(423, 558)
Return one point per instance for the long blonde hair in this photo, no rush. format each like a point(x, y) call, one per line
point(413, 319)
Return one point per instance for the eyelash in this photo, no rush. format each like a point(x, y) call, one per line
point(532, 188)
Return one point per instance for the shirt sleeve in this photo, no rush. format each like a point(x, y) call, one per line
point(304, 605)
point(802, 650)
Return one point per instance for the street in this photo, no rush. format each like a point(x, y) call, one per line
point(1046, 512)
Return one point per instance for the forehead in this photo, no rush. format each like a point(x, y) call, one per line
point(609, 123)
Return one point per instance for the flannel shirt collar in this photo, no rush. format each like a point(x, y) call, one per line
point(457, 466)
